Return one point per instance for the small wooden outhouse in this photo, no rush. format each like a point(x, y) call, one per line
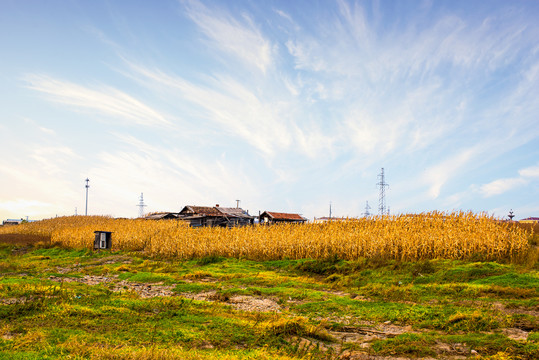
point(103, 240)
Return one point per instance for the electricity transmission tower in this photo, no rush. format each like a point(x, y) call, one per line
point(367, 208)
point(382, 199)
point(141, 205)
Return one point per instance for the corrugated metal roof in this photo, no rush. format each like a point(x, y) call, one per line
point(236, 212)
point(162, 215)
point(285, 216)
point(193, 217)
point(202, 210)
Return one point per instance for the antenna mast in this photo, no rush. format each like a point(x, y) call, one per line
point(86, 186)
point(330, 209)
point(141, 205)
point(382, 200)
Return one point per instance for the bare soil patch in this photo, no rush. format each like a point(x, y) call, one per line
point(143, 290)
point(501, 307)
point(239, 302)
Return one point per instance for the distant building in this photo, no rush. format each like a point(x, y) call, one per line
point(270, 217)
point(530, 220)
point(12, 222)
point(215, 216)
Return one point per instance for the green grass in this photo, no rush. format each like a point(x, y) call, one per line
point(432, 302)
point(406, 344)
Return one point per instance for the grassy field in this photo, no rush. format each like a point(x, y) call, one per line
point(61, 303)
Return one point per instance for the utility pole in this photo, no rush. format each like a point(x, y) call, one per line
point(382, 200)
point(87, 186)
point(330, 209)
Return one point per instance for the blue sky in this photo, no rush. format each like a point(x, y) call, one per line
point(285, 105)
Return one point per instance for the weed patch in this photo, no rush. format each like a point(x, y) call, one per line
point(210, 259)
point(320, 267)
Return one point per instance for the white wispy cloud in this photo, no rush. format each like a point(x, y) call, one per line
point(105, 100)
point(350, 44)
point(240, 38)
point(504, 185)
point(436, 176)
point(284, 15)
point(168, 176)
point(501, 186)
point(421, 88)
point(47, 130)
point(530, 172)
point(234, 106)
point(269, 122)
point(52, 159)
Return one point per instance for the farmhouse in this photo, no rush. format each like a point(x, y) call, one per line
point(237, 216)
point(271, 217)
point(215, 216)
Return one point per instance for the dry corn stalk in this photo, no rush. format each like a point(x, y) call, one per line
point(457, 235)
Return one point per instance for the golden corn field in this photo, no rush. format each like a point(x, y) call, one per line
point(458, 235)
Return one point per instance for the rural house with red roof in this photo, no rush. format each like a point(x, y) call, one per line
point(270, 217)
